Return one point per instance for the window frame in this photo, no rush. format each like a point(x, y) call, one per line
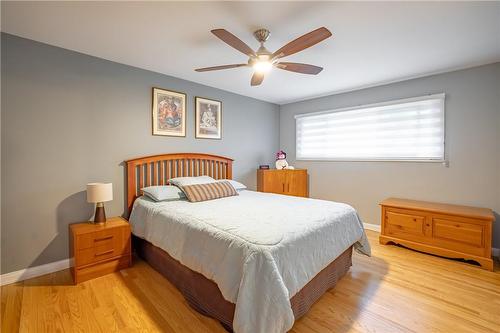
point(443, 159)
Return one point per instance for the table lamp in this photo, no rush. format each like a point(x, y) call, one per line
point(99, 193)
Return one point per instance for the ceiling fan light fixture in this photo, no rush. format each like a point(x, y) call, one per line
point(262, 66)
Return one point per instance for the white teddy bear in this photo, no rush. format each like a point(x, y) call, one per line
point(281, 162)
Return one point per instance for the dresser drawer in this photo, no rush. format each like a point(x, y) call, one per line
point(404, 224)
point(457, 233)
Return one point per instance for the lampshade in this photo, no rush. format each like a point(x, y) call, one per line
point(99, 192)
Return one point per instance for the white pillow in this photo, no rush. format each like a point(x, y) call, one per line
point(184, 181)
point(164, 193)
point(237, 185)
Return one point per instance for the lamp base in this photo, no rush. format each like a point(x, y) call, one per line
point(100, 214)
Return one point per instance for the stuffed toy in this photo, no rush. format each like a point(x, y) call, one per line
point(281, 162)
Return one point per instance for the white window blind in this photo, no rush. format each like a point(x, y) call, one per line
point(411, 129)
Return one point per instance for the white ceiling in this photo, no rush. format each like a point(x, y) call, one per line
point(373, 43)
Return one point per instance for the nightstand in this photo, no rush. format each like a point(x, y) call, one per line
point(99, 249)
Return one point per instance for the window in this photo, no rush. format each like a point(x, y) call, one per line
point(411, 129)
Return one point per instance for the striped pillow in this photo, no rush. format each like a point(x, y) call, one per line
point(209, 191)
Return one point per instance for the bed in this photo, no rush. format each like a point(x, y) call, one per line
point(257, 261)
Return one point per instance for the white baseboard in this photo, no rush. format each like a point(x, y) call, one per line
point(32, 272)
point(374, 227)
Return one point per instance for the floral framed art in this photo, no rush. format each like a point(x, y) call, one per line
point(169, 112)
point(208, 118)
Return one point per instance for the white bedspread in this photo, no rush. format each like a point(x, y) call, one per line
point(259, 248)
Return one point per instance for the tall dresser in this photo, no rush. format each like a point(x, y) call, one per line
point(288, 182)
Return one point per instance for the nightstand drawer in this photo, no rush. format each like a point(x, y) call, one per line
point(93, 271)
point(97, 253)
point(97, 238)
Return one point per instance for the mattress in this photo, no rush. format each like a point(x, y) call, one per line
point(259, 248)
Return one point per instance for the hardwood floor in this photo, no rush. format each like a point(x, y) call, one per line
point(396, 290)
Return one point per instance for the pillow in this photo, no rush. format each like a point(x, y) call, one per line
point(209, 191)
point(237, 185)
point(183, 181)
point(163, 193)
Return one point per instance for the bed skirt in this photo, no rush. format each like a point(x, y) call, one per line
point(205, 297)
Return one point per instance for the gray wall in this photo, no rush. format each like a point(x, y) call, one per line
point(69, 119)
point(472, 147)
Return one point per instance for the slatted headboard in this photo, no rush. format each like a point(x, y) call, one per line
point(158, 169)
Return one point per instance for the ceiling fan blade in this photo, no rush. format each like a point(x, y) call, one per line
point(257, 79)
point(233, 41)
point(299, 68)
point(217, 68)
point(303, 42)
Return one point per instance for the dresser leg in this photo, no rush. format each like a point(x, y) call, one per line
point(485, 263)
point(384, 241)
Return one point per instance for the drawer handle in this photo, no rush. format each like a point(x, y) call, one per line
point(103, 253)
point(102, 238)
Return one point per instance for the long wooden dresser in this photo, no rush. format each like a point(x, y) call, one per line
point(446, 230)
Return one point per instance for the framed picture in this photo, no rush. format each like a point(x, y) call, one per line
point(208, 118)
point(169, 113)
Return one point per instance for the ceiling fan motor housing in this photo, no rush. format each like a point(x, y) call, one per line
point(261, 35)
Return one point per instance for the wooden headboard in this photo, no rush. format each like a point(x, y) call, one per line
point(158, 169)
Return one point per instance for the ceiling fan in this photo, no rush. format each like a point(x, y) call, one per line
point(262, 60)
